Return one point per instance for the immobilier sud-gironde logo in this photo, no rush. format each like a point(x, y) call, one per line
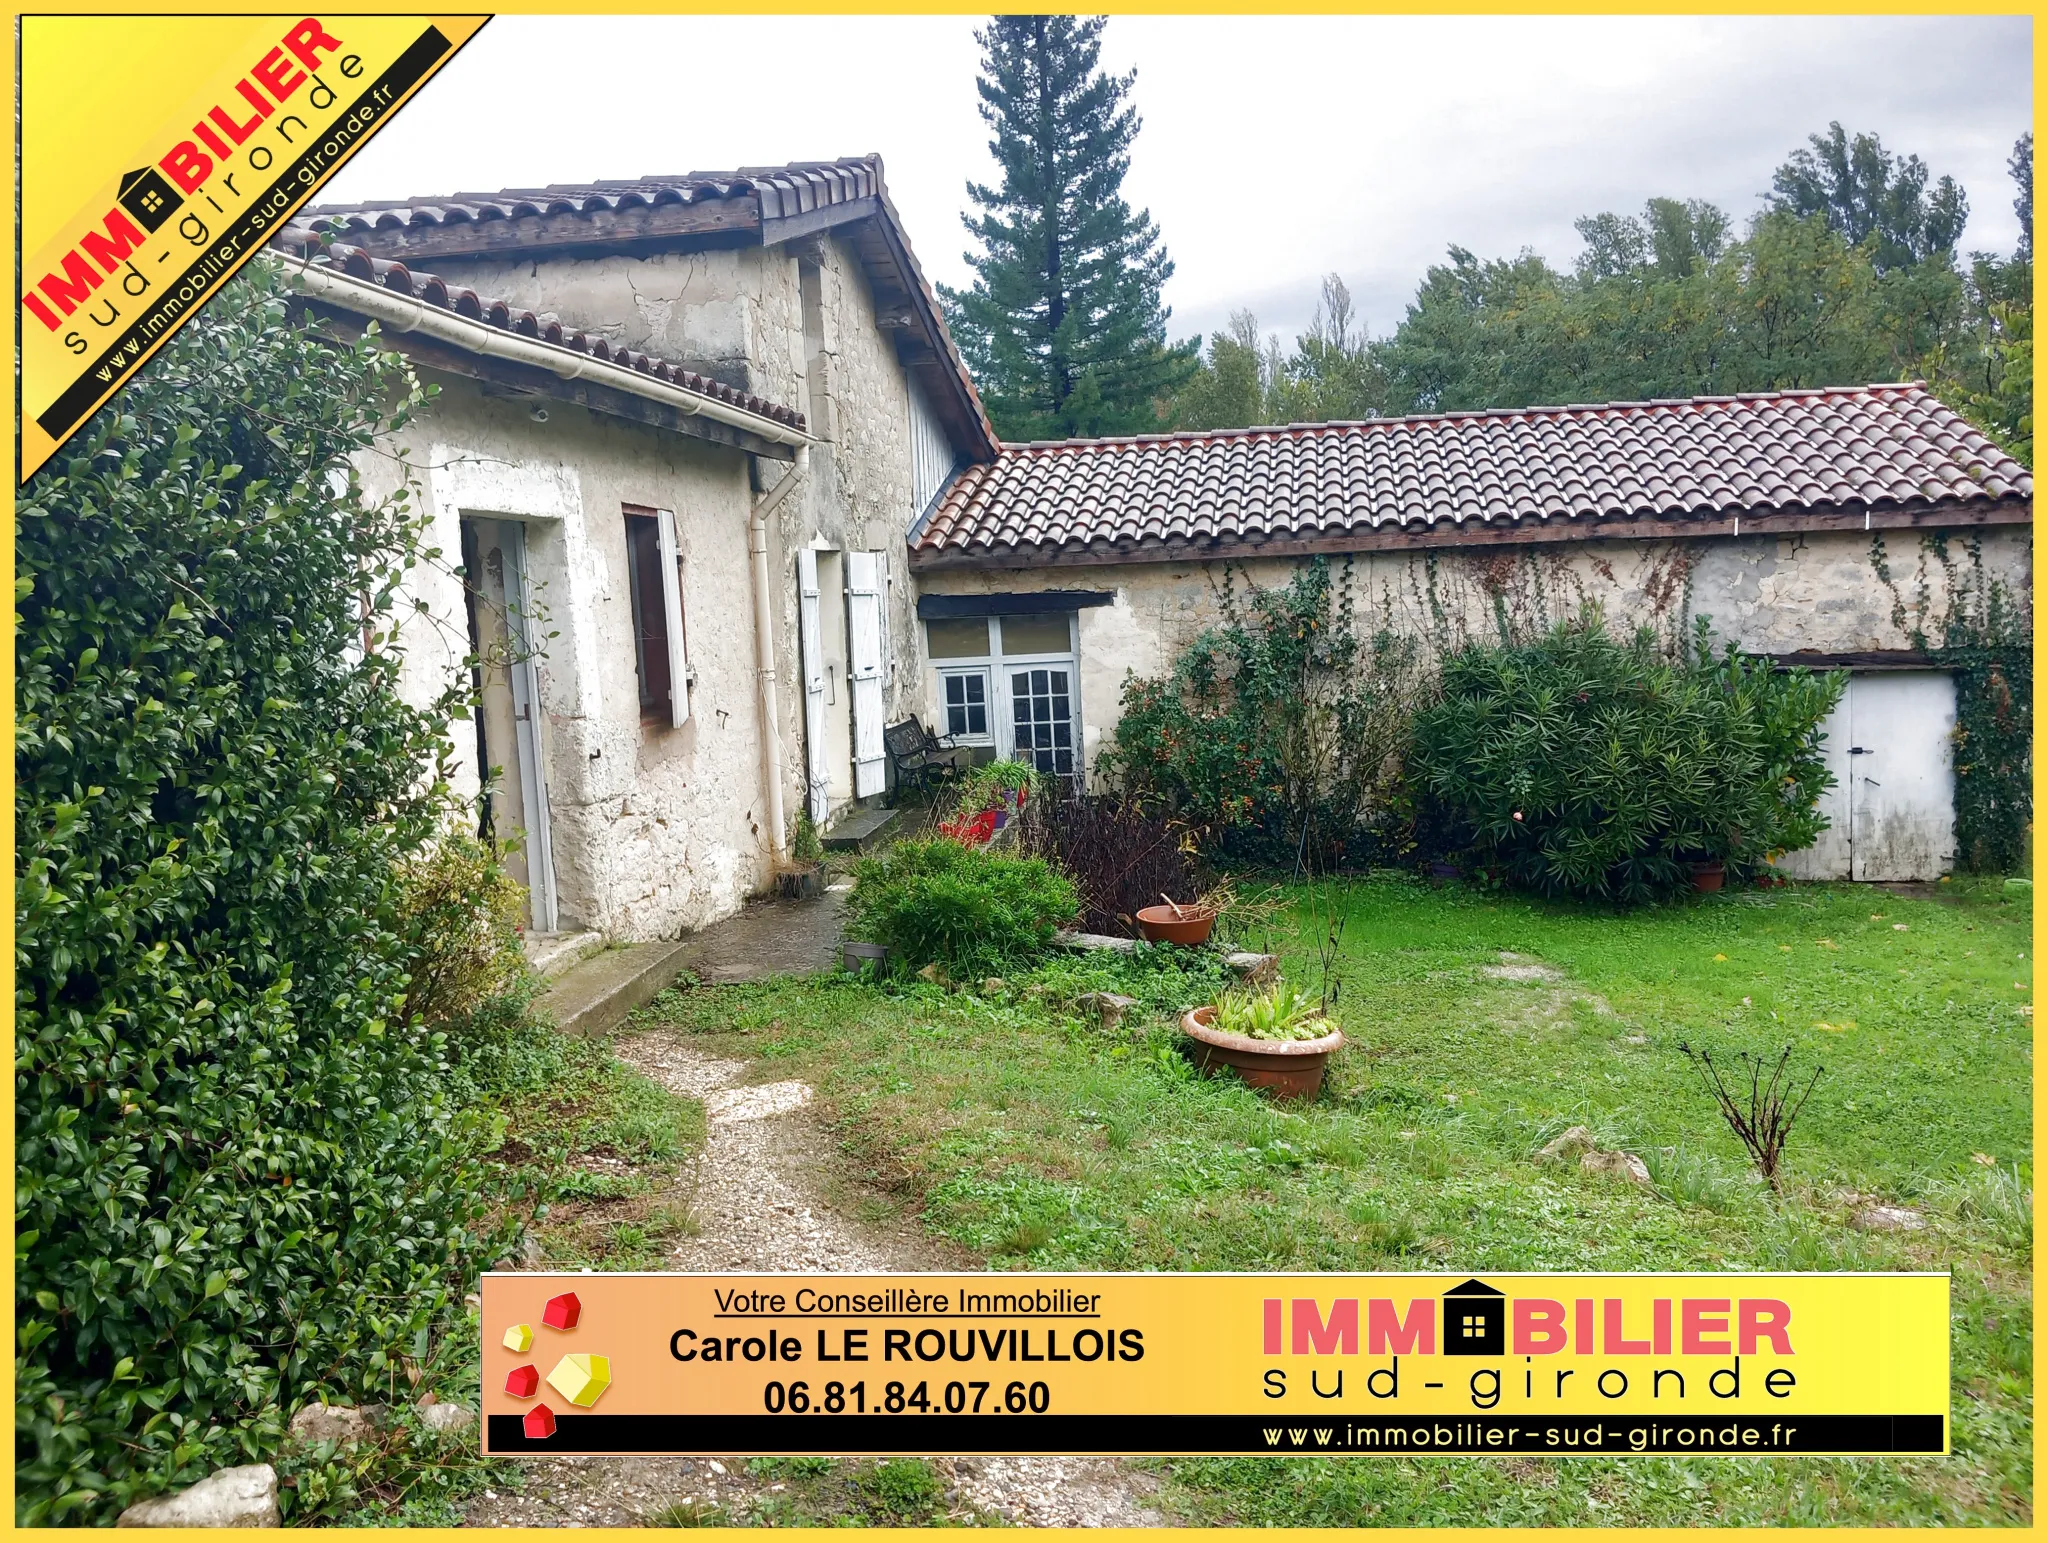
point(134, 214)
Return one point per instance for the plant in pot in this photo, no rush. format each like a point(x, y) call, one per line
point(1708, 873)
point(803, 876)
point(989, 798)
point(1278, 1039)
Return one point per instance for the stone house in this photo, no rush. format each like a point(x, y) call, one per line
point(711, 430)
point(1796, 522)
point(683, 424)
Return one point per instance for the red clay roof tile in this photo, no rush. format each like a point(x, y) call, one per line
point(1234, 490)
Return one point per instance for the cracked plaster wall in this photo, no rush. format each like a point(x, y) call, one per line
point(1770, 594)
point(737, 314)
point(656, 829)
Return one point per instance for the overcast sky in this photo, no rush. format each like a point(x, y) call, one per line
point(1274, 149)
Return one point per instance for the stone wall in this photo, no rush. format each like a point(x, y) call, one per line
point(1816, 593)
point(737, 314)
point(656, 829)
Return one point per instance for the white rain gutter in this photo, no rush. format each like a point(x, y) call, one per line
point(405, 313)
point(764, 645)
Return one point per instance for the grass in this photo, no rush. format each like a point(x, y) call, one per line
point(1035, 1138)
point(592, 1151)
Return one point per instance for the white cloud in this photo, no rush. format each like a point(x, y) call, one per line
point(1275, 149)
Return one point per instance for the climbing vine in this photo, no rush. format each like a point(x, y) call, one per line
point(1289, 717)
point(1970, 625)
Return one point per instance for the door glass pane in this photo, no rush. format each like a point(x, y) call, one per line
point(1036, 635)
point(1042, 720)
point(959, 638)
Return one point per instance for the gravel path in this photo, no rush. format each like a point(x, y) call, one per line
point(757, 1196)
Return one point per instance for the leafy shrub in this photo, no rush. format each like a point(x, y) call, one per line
point(1280, 725)
point(240, 1181)
point(1582, 765)
point(905, 1488)
point(1119, 855)
point(938, 902)
point(459, 911)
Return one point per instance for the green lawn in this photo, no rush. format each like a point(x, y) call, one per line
point(1038, 1140)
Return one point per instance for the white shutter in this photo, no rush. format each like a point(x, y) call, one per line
point(888, 581)
point(864, 628)
point(811, 643)
point(672, 611)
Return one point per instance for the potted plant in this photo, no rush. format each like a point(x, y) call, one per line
point(1708, 874)
point(803, 876)
point(1277, 1039)
point(989, 798)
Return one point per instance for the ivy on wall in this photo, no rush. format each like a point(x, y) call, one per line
point(1970, 624)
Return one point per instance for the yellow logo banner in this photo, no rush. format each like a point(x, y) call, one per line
point(1216, 1364)
point(198, 140)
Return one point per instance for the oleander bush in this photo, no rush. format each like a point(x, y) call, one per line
point(241, 1180)
point(1577, 763)
point(962, 908)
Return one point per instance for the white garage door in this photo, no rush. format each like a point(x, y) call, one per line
point(1892, 811)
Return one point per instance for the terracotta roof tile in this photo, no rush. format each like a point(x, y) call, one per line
point(547, 328)
point(1867, 447)
point(783, 191)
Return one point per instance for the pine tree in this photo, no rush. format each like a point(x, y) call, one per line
point(1063, 328)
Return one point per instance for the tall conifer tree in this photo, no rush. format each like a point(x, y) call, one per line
point(1063, 328)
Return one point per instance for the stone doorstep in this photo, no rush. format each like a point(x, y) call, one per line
point(858, 829)
point(553, 954)
point(596, 995)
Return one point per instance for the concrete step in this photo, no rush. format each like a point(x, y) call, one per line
point(596, 996)
point(859, 830)
point(549, 954)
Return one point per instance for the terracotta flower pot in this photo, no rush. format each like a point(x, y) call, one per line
point(1287, 1068)
point(1186, 926)
point(1708, 877)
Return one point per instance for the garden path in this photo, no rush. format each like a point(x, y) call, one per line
point(762, 1193)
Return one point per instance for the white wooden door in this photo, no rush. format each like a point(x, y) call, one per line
point(1902, 774)
point(811, 643)
point(1832, 856)
point(1891, 813)
point(864, 600)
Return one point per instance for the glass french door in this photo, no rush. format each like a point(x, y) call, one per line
point(1042, 718)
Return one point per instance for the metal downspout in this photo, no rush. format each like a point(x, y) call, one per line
point(764, 646)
